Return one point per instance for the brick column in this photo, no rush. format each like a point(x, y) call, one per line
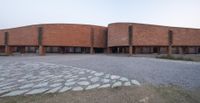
point(130, 36)
point(170, 42)
point(92, 41)
point(41, 50)
point(40, 39)
point(108, 50)
point(180, 50)
point(8, 50)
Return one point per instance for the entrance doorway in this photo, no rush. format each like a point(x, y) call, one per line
point(155, 50)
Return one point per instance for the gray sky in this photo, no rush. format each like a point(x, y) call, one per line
point(183, 13)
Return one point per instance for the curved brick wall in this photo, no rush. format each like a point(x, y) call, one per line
point(56, 35)
point(23, 36)
point(118, 34)
point(186, 37)
point(151, 35)
point(148, 35)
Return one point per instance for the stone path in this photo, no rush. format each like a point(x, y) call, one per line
point(25, 78)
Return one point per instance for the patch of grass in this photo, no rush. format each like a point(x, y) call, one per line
point(3, 54)
point(174, 94)
point(175, 58)
point(133, 94)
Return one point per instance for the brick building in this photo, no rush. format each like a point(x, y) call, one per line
point(127, 38)
point(142, 38)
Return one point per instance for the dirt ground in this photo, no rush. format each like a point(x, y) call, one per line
point(144, 94)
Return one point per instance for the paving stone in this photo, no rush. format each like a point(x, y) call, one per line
point(88, 71)
point(26, 86)
point(59, 80)
point(123, 79)
point(89, 76)
point(21, 80)
point(92, 86)
point(68, 76)
point(105, 86)
point(1, 79)
point(107, 76)
point(53, 78)
point(14, 93)
point(83, 83)
point(56, 85)
point(114, 77)
point(70, 80)
point(105, 80)
point(2, 85)
point(37, 91)
point(3, 91)
point(99, 74)
point(81, 73)
point(117, 84)
point(83, 79)
point(74, 77)
point(95, 79)
point(54, 90)
point(64, 89)
point(41, 85)
point(127, 84)
point(135, 82)
point(10, 87)
point(69, 83)
point(77, 89)
point(92, 72)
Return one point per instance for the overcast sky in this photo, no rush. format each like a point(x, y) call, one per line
point(183, 13)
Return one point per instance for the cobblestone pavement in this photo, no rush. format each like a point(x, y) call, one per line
point(144, 69)
point(24, 78)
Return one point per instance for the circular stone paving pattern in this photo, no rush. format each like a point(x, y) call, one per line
point(24, 78)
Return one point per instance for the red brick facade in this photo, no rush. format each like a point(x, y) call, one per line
point(1, 38)
point(152, 38)
point(117, 37)
point(151, 35)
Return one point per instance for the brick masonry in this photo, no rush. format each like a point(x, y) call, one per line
point(151, 35)
point(115, 35)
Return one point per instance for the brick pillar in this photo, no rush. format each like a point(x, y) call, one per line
point(40, 39)
point(123, 51)
point(170, 42)
point(22, 50)
point(130, 35)
point(106, 50)
point(92, 41)
point(8, 50)
point(109, 50)
point(91, 50)
point(41, 50)
point(130, 50)
point(169, 50)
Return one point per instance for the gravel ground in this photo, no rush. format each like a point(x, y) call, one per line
point(143, 69)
